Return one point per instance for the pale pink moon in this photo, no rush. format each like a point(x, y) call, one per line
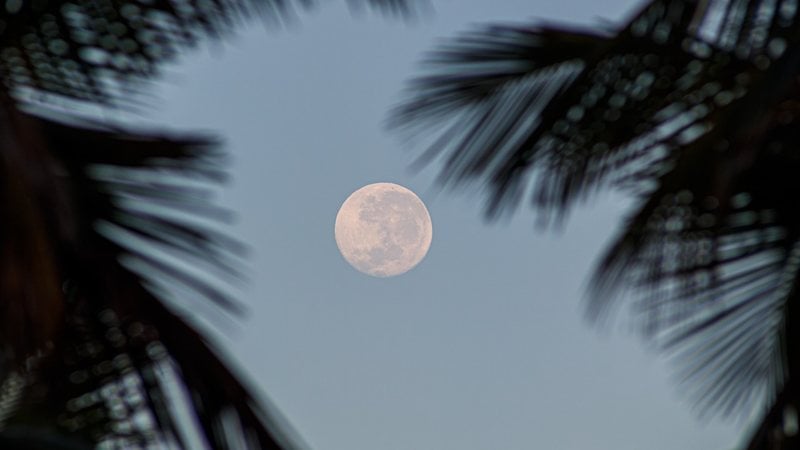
point(383, 230)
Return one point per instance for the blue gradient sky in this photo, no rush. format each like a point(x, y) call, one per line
point(483, 345)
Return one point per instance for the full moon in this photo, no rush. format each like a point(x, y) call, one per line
point(383, 230)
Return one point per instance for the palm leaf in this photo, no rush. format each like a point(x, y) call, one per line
point(523, 105)
point(691, 107)
point(713, 272)
point(91, 51)
point(104, 226)
point(107, 368)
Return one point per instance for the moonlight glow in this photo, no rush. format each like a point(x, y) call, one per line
point(383, 229)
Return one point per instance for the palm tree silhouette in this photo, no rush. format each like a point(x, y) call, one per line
point(690, 106)
point(102, 227)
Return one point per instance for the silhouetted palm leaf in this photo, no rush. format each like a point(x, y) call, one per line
point(691, 106)
point(102, 227)
point(91, 50)
point(110, 361)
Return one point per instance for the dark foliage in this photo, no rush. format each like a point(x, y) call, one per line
point(690, 106)
point(92, 50)
point(101, 227)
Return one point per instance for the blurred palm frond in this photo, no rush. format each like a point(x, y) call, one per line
point(689, 106)
point(101, 52)
point(121, 229)
point(110, 240)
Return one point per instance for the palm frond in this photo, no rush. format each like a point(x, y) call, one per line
point(488, 88)
point(692, 107)
point(104, 228)
point(609, 101)
point(711, 263)
point(111, 369)
point(93, 51)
